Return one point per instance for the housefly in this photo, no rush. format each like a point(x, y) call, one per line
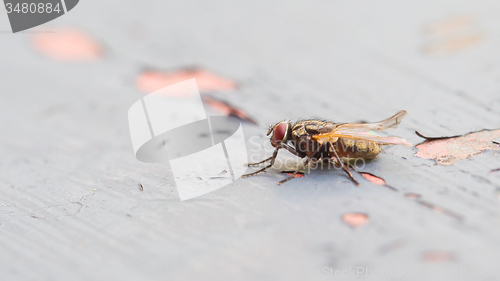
point(329, 142)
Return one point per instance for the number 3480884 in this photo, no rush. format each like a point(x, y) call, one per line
point(32, 8)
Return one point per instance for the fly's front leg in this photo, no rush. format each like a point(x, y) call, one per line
point(288, 147)
point(257, 163)
point(273, 158)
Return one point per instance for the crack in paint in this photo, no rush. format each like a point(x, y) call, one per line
point(390, 247)
point(440, 209)
point(417, 198)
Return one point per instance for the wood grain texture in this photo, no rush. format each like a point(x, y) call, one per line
point(70, 206)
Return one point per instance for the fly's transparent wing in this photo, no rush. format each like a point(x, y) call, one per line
point(359, 134)
point(366, 132)
point(389, 123)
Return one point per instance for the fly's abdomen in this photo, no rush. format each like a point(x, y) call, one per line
point(347, 148)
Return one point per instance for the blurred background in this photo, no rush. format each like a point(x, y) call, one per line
point(75, 204)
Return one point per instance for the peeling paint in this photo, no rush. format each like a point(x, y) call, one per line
point(452, 35)
point(437, 257)
point(227, 109)
point(449, 25)
point(376, 180)
point(151, 80)
point(447, 151)
point(454, 44)
point(297, 175)
point(355, 219)
point(67, 44)
point(373, 179)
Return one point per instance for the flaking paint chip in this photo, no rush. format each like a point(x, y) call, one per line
point(437, 257)
point(151, 80)
point(447, 151)
point(67, 44)
point(297, 175)
point(355, 219)
point(373, 179)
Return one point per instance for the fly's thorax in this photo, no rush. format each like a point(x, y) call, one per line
point(301, 134)
point(308, 128)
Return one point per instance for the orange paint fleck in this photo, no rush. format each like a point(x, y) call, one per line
point(452, 35)
point(373, 179)
point(449, 25)
point(355, 219)
point(227, 109)
point(297, 175)
point(448, 151)
point(151, 80)
point(67, 44)
point(437, 257)
point(454, 44)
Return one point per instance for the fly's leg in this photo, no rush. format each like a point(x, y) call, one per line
point(302, 165)
point(341, 164)
point(273, 158)
point(294, 173)
point(256, 164)
point(350, 167)
point(334, 161)
point(288, 147)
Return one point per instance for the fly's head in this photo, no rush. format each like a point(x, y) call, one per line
point(281, 133)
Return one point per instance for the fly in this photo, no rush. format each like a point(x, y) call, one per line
point(328, 142)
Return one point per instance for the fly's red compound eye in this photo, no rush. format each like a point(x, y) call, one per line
point(280, 131)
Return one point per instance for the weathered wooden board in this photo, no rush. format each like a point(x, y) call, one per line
point(70, 203)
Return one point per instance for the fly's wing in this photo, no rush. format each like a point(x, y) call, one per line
point(360, 134)
point(389, 123)
point(367, 132)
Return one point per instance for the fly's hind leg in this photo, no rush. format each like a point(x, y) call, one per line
point(344, 167)
point(348, 166)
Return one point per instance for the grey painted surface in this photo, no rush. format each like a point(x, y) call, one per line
point(70, 206)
